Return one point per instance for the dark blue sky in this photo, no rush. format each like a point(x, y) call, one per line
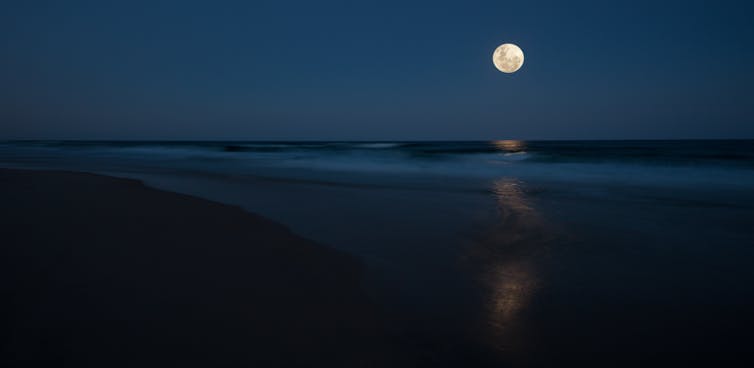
point(375, 70)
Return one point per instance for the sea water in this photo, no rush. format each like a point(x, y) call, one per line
point(507, 248)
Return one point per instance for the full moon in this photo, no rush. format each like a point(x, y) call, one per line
point(508, 58)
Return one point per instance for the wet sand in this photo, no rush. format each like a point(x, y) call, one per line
point(107, 272)
point(99, 271)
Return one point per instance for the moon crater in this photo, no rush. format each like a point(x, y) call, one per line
point(508, 58)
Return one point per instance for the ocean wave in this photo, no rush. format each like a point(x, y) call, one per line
point(521, 155)
point(376, 145)
point(652, 153)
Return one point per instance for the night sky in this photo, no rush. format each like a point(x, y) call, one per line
point(375, 70)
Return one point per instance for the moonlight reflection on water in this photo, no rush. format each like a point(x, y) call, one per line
point(509, 253)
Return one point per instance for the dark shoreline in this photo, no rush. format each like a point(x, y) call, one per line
point(104, 271)
point(100, 271)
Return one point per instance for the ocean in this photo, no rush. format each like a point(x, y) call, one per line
point(508, 249)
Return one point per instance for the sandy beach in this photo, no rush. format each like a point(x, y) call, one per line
point(99, 271)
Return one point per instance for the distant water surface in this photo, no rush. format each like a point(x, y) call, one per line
point(500, 250)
